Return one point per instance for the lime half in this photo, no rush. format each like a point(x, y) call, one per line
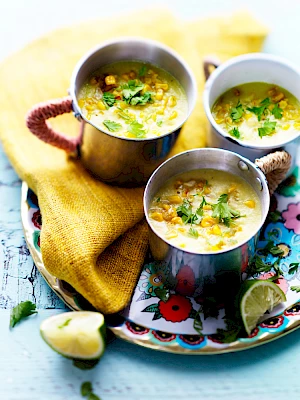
point(78, 335)
point(256, 297)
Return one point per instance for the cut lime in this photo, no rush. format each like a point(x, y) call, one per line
point(256, 297)
point(79, 335)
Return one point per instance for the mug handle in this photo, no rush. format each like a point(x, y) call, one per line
point(208, 63)
point(36, 121)
point(275, 167)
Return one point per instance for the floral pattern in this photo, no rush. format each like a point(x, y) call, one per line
point(185, 281)
point(151, 280)
point(37, 219)
point(292, 217)
point(281, 282)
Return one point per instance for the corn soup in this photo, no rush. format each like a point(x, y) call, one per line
point(133, 99)
point(206, 211)
point(258, 113)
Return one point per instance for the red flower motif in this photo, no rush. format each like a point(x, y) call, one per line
point(274, 322)
point(192, 340)
point(294, 310)
point(164, 336)
point(253, 333)
point(185, 281)
point(37, 219)
point(176, 309)
point(281, 282)
point(136, 329)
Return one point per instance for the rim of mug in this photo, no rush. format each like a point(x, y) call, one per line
point(245, 160)
point(226, 65)
point(162, 46)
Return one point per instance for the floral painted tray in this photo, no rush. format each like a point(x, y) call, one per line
point(161, 319)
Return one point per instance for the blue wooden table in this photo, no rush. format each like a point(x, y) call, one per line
point(29, 370)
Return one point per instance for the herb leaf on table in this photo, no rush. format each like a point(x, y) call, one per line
point(20, 311)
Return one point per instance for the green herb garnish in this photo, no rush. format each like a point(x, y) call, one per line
point(277, 111)
point(260, 111)
point(124, 114)
point(193, 233)
point(131, 89)
point(235, 132)
point(109, 99)
point(142, 71)
point(158, 200)
point(236, 112)
point(200, 210)
point(86, 390)
point(267, 129)
point(141, 100)
point(185, 211)
point(295, 289)
point(112, 126)
point(137, 129)
point(22, 310)
point(293, 267)
point(223, 212)
point(159, 123)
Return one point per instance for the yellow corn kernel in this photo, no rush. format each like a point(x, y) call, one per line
point(176, 220)
point(172, 101)
point(181, 230)
point(148, 81)
point(247, 116)
point(250, 203)
point(207, 221)
point(239, 228)
point(125, 77)
point(132, 75)
point(282, 104)
point(219, 120)
point(207, 207)
point(93, 81)
point(130, 135)
point(159, 94)
point(101, 105)
point(232, 189)
point(182, 245)
point(146, 88)
point(157, 216)
point(278, 97)
point(122, 104)
point(286, 127)
point(142, 114)
point(171, 235)
point(154, 117)
point(175, 199)
point(90, 107)
point(297, 125)
point(131, 115)
point(171, 213)
point(218, 246)
point(216, 230)
point(166, 207)
point(160, 111)
point(81, 103)
point(110, 80)
point(163, 86)
point(173, 115)
point(207, 190)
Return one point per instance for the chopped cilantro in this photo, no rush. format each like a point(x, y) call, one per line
point(194, 233)
point(200, 210)
point(141, 100)
point(20, 311)
point(260, 111)
point(295, 289)
point(223, 212)
point(277, 111)
point(142, 71)
point(136, 129)
point(236, 112)
point(158, 200)
point(235, 132)
point(124, 114)
point(159, 123)
point(130, 89)
point(112, 126)
point(109, 99)
point(185, 211)
point(267, 129)
point(293, 267)
point(86, 389)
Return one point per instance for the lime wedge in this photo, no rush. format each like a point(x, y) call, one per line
point(79, 335)
point(256, 297)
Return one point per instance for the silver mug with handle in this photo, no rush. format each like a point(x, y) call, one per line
point(117, 160)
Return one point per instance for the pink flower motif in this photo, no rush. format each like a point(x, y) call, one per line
point(281, 282)
point(292, 217)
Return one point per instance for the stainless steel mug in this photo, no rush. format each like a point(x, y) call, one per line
point(118, 160)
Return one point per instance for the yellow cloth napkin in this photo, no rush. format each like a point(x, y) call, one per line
point(93, 235)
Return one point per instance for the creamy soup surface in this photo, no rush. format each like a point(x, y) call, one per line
point(258, 113)
point(133, 99)
point(205, 211)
